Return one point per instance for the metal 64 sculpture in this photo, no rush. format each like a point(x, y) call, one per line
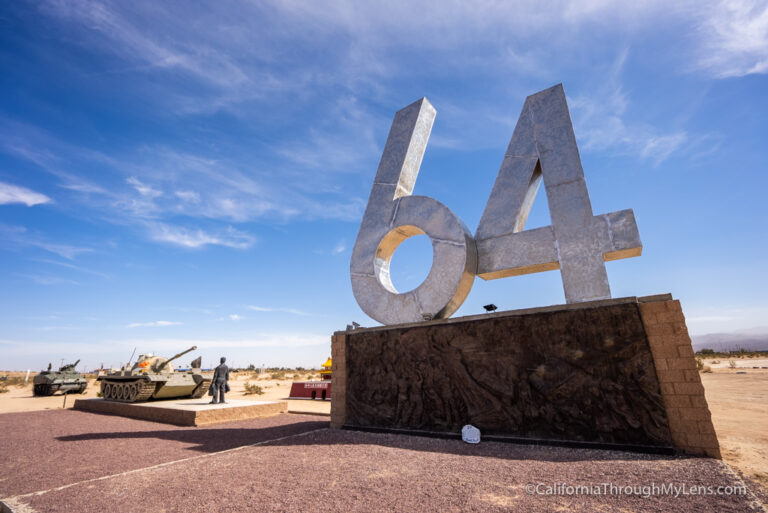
point(543, 147)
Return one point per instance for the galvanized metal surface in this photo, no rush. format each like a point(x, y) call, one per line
point(543, 148)
point(393, 215)
point(578, 243)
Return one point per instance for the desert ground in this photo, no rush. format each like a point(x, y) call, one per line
point(737, 394)
point(738, 400)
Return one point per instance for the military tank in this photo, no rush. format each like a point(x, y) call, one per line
point(153, 377)
point(66, 380)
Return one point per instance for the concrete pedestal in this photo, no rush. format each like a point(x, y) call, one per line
point(186, 412)
point(617, 372)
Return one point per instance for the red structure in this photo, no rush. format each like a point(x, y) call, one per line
point(314, 389)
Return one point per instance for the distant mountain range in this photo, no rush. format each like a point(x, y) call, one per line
point(754, 339)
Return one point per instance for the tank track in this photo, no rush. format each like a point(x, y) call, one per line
point(147, 389)
point(124, 391)
point(201, 389)
point(43, 389)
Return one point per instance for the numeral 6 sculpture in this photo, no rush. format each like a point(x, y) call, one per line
point(543, 147)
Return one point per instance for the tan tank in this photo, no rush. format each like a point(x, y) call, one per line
point(153, 377)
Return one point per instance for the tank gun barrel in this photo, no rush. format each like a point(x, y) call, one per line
point(68, 366)
point(162, 365)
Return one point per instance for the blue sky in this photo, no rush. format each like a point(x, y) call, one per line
point(178, 173)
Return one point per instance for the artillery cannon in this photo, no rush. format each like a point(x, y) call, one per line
point(153, 377)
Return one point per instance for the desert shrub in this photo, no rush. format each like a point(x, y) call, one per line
point(252, 389)
point(699, 364)
point(277, 375)
point(297, 377)
point(16, 381)
point(736, 353)
point(715, 362)
point(732, 364)
point(3, 387)
point(706, 369)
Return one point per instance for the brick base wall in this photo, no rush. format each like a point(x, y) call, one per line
point(686, 408)
point(339, 376)
point(690, 421)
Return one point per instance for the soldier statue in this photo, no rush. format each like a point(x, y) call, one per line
point(219, 384)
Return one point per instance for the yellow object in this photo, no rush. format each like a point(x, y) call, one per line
point(325, 371)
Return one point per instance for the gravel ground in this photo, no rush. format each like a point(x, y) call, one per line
point(300, 465)
point(44, 449)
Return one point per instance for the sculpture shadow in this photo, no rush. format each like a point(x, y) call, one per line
point(206, 439)
point(215, 439)
point(490, 449)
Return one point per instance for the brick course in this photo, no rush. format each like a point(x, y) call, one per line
point(339, 377)
point(689, 417)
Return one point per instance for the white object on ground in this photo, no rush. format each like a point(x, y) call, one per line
point(470, 434)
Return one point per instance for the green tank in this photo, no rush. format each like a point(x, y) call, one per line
point(66, 380)
point(153, 377)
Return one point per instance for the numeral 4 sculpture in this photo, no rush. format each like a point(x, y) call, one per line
point(543, 147)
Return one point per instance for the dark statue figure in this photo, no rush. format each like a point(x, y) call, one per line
point(219, 384)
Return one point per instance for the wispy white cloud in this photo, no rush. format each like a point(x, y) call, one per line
point(49, 280)
point(601, 121)
point(342, 144)
point(235, 317)
point(260, 309)
point(225, 189)
point(191, 196)
point(197, 238)
point(153, 324)
point(279, 340)
point(337, 249)
point(55, 328)
point(73, 267)
point(10, 193)
point(284, 310)
point(63, 250)
point(340, 247)
point(83, 187)
point(144, 190)
point(19, 347)
point(344, 96)
point(733, 37)
point(127, 38)
point(15, 237)
point(658, 148)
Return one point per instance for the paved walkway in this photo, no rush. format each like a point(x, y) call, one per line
point(67, 461)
